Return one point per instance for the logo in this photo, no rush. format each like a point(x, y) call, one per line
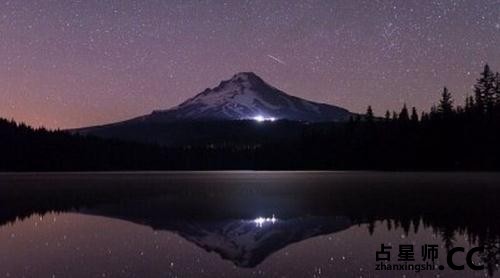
point(428, 255)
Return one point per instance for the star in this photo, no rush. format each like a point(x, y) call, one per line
point(93, 62)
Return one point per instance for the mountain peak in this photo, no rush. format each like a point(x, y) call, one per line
point(244, 79)
point(247, 96)
point(246, 76)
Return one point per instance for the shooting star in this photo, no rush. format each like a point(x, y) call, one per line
point(276, 59)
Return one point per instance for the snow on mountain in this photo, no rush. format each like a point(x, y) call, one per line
point(247, 96)
point(244, 96)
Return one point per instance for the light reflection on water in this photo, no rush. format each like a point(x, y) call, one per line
point(260, 221)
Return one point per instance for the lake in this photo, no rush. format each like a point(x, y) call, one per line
point(248, 224)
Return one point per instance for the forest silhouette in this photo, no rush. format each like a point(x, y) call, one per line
point(448, 137)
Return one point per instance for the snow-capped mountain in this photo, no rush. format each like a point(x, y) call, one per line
point(213, 116)
point(247, 96)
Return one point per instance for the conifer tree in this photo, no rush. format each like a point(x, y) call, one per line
point(469, 103)
point(424, 117)
point(414, 115)
point(404, 116)
point(445, 107)
point(485, 91)
point(369, 114)
point(387, 116)
point(394, 116)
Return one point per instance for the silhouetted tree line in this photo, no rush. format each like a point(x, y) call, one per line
point(448, 137)
point(23, 148)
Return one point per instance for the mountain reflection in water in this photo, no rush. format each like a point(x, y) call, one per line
point(221, 211)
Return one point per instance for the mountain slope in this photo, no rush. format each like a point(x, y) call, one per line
point(247, 96)
point(217, 113)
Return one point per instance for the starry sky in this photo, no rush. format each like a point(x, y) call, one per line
point(72, 63)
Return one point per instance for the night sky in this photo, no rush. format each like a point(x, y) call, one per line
point(77, 63)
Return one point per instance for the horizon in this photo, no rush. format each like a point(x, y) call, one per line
point(273, 138)
point(72, 64)
point(459, 103)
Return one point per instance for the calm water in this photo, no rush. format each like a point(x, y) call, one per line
point(243, 224)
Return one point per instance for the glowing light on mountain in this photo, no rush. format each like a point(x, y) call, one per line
point(260, 118)
point(260, 221)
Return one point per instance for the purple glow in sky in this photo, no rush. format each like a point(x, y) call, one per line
point(77, 63)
